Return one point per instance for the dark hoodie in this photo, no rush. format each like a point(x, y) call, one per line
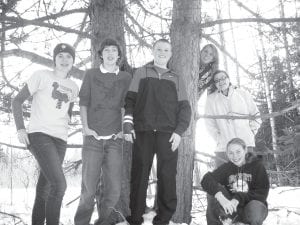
point(245, 183)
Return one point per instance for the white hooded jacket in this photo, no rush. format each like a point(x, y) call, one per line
point(238, 103)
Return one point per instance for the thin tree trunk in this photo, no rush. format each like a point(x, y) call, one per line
point(185, 39)
point(268, 98)
point(221, 32)
point(234, 46)
point(287, 54)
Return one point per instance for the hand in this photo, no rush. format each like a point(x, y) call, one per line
point(229, 206)
point(23, 137)
point(175, 141)
point(130, 137)
point(235, 202)
point(119, 135)
point(89, 132)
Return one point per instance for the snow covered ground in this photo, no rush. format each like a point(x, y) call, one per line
point(284, 207)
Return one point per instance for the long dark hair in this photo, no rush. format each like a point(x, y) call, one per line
point(207, 69)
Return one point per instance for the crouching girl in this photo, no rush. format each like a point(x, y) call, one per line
point(240, 188)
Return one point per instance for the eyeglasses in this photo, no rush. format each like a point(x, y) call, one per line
point(221, 79)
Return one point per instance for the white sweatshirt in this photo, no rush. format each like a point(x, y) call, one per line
point(239, 103)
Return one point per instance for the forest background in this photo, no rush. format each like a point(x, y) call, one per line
point(258, 42)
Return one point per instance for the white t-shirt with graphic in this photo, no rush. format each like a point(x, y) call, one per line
point(51, 99)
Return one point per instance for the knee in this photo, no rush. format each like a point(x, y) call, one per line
point(58, 189)
point(256, 212)
point(113, 195)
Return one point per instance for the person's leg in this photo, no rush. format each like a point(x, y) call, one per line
point(211, 218)
point(215, 213)
point(166, 179)
point(254, 213)
point(49, 152)
point(39, 206)
point(112, 179)
point(142, 157)
point(92, 158)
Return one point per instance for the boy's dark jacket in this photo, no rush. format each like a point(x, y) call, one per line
point(158, 101)
point(245, 183)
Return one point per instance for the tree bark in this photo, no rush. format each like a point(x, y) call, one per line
point(185, 41)
point(107, 21)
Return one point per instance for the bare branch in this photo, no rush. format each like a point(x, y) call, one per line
point(77, 73)
point(249, 20)
point(138, 2)
point(141, 41)
point(20, 22)
point(295, 105)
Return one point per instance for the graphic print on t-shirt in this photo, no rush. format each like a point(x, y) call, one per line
point(239, 182)
point(61, 94)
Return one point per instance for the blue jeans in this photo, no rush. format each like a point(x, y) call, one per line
point(253, 213)
point(49, 153)
point(99, 158)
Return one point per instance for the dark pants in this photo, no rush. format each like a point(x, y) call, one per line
point(145, 146)
point(99, 158)
point(49, 153)
point(253, 213)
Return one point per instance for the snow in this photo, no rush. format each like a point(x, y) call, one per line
point(284, 207)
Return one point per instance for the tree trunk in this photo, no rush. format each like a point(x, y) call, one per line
point(185, 39)
point(219, 8)
point(107, 21)
point(234, 45)
point(288, 56)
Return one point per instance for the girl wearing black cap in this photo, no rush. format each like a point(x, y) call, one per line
point(53, 99)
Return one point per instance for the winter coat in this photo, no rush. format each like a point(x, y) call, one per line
point(238, 103)
point(158, 101)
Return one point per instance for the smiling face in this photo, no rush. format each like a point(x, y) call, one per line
point(221, 81)
point(207, 55)
point(162, 53)
point(110, 55)
point(64, 62)
point(236, 154)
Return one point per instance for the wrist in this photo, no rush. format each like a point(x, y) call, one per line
point(219, 195)
point(21, 130)
point(235, 201)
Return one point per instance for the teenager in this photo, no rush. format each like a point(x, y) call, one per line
point(157, 113)
point(101, 99)
point(225, 99)
point(240, 188)
point(209, 63)
point(53, 95)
